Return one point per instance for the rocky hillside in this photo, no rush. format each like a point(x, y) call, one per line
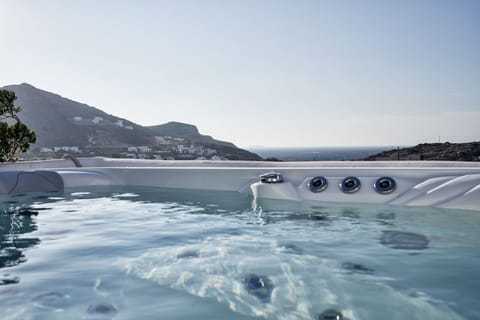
point(433, 151)
point(186, 131)
point(63, 125)
point(58, 121)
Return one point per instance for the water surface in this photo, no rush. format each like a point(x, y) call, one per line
point(142, 253)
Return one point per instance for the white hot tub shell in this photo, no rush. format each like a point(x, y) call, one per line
point(416, 183)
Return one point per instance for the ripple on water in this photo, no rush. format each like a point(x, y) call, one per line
point(290, 248)
point(352, 267)
point(7, 279)
point(54, 301)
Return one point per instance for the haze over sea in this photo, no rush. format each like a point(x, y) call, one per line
point(318, 153)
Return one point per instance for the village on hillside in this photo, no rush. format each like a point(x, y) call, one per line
point(165, 148)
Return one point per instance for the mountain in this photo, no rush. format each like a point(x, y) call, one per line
point(447, 151)
point(61, 122)
point(58, 121)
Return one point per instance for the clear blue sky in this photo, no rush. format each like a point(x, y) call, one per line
point(259, 72)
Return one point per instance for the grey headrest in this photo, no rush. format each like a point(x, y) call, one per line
point(18, 182)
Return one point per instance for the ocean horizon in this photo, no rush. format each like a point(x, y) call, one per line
point(318, 153)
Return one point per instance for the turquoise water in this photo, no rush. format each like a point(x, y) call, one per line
point(172, 254)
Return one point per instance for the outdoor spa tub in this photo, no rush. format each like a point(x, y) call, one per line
point(98, 238)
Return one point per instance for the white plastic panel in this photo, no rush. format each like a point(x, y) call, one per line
point(438, 184)
point(453, 188)
point(82, 178)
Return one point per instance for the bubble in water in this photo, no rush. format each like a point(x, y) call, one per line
point(101, 311)
point(330, 314)
point(404, 240)
point(259, 286)
point(188, 254)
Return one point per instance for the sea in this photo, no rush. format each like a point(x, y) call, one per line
point(319, 153)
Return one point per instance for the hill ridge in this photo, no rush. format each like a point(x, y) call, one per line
point(469, 151)
point(62, 122)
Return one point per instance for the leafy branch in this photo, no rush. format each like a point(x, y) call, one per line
point(13, 137)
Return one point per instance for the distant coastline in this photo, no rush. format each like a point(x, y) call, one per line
point(318, 153)
point(447, 151)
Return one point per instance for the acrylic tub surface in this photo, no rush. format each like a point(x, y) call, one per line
point(434, 184)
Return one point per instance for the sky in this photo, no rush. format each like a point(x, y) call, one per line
point(272, 73)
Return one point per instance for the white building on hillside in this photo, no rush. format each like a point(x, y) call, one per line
point(144, 149)
point(218, 158)
point(97, 120)
point(162, 140)
point(65, 148)
point(210, 151)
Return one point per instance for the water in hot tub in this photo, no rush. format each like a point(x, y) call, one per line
point(142, 253)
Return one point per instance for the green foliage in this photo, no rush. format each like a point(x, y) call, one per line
point(13, 137)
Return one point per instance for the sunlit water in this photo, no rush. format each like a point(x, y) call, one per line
point(171, 254)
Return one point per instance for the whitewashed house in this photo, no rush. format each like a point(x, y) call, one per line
point(97, 120)
point(162, 140)
point(210, 151)
point(218, 158)
point(144, 149)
